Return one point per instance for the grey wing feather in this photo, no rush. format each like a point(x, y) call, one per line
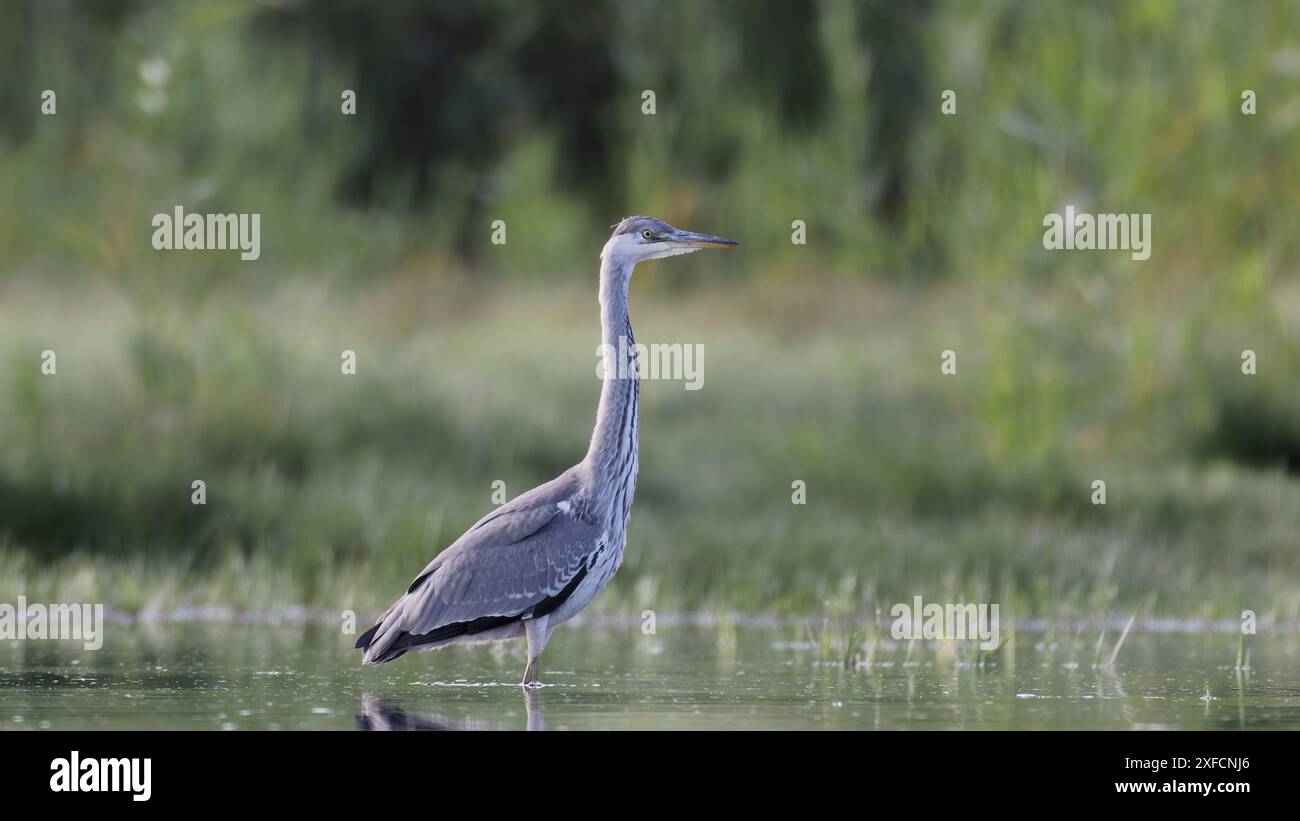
point(492, 571)
point(510, 561)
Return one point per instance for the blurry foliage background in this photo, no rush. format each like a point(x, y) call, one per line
point(476, 360)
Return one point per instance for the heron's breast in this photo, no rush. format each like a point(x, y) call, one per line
point(601, 566)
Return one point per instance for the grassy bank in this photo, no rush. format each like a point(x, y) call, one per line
point(334, 490)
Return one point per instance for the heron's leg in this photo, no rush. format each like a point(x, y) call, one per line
point(537, 634)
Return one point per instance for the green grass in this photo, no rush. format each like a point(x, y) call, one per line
point(334, 490)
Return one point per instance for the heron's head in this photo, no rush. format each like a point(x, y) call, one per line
point(641, 238)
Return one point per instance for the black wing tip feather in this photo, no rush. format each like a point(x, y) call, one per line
point(393, 651)
point(363, 643)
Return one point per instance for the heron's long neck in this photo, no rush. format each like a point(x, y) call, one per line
point(613, 451)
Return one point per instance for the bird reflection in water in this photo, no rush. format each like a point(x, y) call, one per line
point(386, 714)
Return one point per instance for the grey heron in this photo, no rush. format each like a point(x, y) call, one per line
point(539, 559)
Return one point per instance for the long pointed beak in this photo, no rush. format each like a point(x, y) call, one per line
point(690, 239)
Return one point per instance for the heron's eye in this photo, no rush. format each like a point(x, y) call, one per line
point(647, 234)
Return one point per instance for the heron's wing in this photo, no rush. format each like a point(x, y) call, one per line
point(516, 562)
point(502, 567)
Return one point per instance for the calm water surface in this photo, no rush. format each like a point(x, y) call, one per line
point(684, 677)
